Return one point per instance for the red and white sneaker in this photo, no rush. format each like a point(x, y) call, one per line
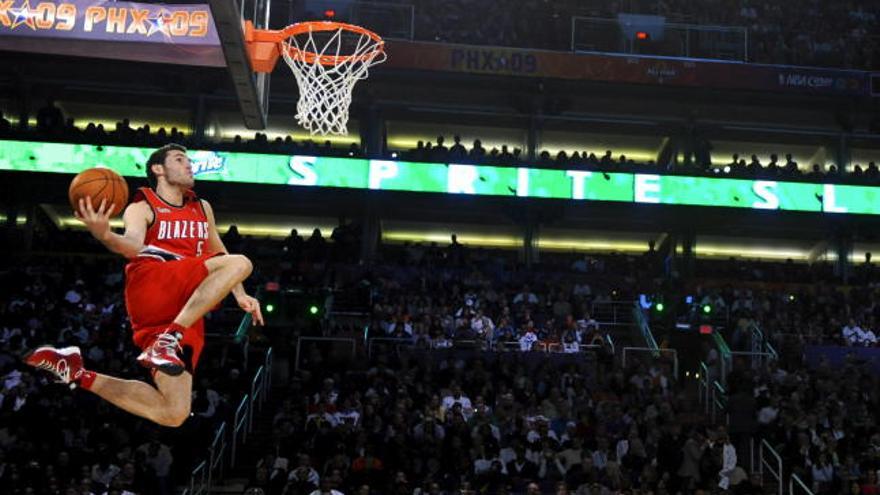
point(66, 364)
point(163, 354)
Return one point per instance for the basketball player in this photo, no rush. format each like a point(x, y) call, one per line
point(178, 270)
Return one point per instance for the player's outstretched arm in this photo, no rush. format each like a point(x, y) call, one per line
point(136, 218)
point(215, 245)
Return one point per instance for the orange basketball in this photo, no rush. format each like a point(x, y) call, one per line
point(99, 184)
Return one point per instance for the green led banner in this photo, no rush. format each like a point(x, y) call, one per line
point(734, 193)
point(387, 175)
point(852, 199)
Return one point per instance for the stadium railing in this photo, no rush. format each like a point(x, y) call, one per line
point(241, 333)
point(725, 356)
point(704, 387)
point(242, 421)
point(610, 343)
point(239, 432)
point(760, 342)
point(256, 395)
point(719, 402)
point(773, 464)
point(645, 329)
point(269, 362)
point(198, 481)
point(204, 475)
point(215, 455)
point(713, 395)
point(796, 485)
point(651, 346)
point(759, 359)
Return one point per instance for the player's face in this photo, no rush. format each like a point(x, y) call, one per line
point(178, 169)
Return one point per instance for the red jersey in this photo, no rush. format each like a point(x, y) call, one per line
point(177, 231)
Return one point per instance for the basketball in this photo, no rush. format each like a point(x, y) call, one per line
point(99, 184)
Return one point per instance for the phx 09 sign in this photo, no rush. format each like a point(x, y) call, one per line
point(117, 21)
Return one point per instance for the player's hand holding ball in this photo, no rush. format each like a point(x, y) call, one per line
point(96, 220)
point(96, 195)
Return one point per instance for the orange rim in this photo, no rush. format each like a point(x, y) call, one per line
point(281, 35)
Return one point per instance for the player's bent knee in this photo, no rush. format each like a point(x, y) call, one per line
point(242, 264)
point(177, 421)
point(175, 416)
point(237, 263)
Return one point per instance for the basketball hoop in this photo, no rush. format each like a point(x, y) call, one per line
point(327, 59)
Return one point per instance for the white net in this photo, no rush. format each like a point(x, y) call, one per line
point(325, 89)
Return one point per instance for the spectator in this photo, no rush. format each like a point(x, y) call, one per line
point(690, 464)
point(477, 153)
point(455, 397)
point(50, 119)
point(232, 239)
point(5, 125)
point(852, 333)
point(303, 479)
point(457, 151)
point(158, 459)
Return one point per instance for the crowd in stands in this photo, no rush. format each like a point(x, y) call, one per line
point(828, 436)
point(812, 33)
point(822, 421)
point(439, 424)
point(828, 439)
point(53, 126)
point(533, 24)
point(436, 296)
point(54, 440)
point(439, 294)
point(811, 308)
point(435, 422)
point(703, 164)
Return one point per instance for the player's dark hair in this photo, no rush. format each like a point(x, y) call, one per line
point(158, 158)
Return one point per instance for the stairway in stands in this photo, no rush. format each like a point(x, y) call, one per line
point(687, 346)
point(259, 442)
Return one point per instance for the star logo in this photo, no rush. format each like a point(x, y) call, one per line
point(23, 15)
point(160, 22)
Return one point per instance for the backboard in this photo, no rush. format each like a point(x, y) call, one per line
point(252, 89)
